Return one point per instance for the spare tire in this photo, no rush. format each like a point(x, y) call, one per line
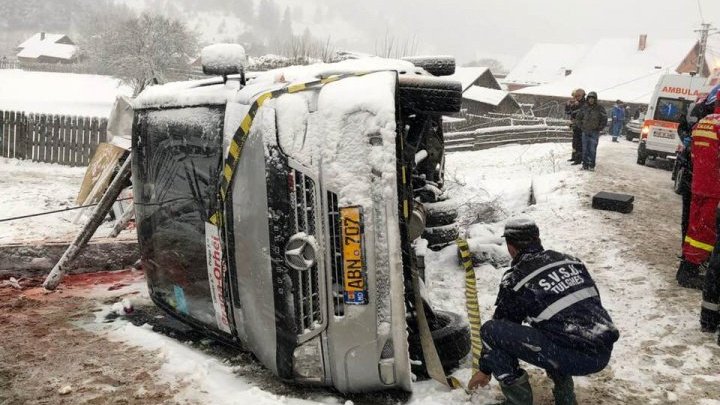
point(452, 341)
point(440, 236)
point(440, 213)
point(435, 65)
point(427, 94)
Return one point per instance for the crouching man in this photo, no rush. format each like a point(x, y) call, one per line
point(569, 333)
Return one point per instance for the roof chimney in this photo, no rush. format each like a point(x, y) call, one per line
point(642, 44)
point(42, 36)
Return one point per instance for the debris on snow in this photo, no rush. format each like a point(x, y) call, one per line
point(124, 307)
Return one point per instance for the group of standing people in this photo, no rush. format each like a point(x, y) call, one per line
point(587, 118)
point(700, 188)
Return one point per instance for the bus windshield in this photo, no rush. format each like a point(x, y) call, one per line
point(175, 174)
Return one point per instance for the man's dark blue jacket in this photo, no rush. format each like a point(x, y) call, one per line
point(554, 293)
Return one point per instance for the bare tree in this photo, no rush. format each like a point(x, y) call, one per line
point(305, 48)
point(143, 50)
point(391, 46)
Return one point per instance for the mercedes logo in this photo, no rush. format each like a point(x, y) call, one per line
point(300, 251)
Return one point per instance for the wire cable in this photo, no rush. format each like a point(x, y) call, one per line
point(55, 211)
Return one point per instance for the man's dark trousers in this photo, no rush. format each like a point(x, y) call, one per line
point(504, 342)
point(577, 145)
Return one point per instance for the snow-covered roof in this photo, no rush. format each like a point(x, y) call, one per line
point(546, 63)
point(59, 51)
point(467, 75)
point(616, 69)
point(59, 93)
point(36, 47)
point(485, 95)
point(51, 38)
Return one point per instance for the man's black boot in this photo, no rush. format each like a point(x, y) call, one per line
point(519, 392)
point(709, 317)
point(564, 390)
point(688, 276)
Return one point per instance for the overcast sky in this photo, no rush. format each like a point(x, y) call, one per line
point(507, 28)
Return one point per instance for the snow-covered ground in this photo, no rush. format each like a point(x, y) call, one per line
point(661, 357)
point(59, 93)
point(31, 188)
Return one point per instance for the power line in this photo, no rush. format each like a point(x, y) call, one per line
point(702, 18)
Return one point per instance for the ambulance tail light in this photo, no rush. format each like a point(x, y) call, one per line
point(645, 131)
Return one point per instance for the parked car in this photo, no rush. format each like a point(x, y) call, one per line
point(633, 129)
point(311, 268)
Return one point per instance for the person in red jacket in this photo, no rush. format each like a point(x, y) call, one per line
point(705, 151)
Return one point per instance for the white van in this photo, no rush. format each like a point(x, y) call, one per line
point(673, 94)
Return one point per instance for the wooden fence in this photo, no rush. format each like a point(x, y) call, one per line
point(62, 139)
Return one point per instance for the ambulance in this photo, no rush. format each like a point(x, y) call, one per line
point(673, 95)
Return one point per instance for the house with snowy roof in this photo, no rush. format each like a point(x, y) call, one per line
point(482, 92)
point(624, 69)
point(544, 63)
point(47, 48)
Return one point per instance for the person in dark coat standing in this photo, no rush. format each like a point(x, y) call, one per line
point(592, 118)
point(572, 107)
point(569, 332)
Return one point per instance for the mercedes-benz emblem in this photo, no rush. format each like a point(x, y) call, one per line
point(300, 251)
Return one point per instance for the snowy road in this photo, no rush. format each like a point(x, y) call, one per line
point(661, 356)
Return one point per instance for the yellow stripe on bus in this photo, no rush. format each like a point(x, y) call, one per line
point(234, 150)
point(296, 87)
point(246, 123)
point(263, 98)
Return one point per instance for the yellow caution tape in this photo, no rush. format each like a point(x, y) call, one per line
point(471, 302)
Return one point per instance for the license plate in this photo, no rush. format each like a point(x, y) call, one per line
point(355, 280)
point(664, 135)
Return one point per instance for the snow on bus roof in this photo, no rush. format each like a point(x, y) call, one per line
point(212, 91)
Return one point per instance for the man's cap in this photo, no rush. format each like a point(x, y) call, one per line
point(521, 229)
point(592, 94)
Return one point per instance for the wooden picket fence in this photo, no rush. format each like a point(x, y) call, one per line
point(62, 139)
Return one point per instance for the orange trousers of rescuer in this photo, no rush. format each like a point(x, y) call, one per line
point(705, 150)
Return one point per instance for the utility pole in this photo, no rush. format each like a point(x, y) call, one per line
point(704, 32)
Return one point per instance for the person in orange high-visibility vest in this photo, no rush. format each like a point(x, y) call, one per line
point(705, 151)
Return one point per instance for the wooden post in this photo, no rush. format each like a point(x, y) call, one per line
point(87, 140)
point(44, 138)
point(73, 141)
point(21, 136)
point(55, 131)
point(94, 135)
point(5, 128)
point(122, 222)
point(101, 210)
